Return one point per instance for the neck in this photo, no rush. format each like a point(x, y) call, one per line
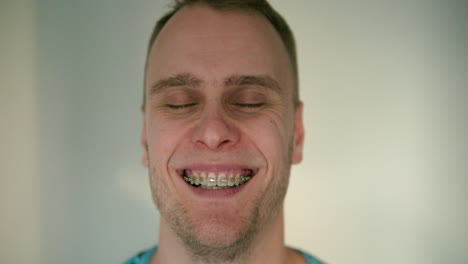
point(267, 246)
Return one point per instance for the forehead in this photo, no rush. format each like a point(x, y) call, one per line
point(214, 44)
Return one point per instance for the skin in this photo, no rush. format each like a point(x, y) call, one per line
point(214, 125)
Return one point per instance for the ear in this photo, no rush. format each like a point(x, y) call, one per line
point(143, 139)
point(298, 141)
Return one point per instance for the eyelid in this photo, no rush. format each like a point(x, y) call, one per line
point(180, 106)
point(179, 97)
point(249, 105)
point(248, 95)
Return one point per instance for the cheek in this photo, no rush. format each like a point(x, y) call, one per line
point(163, 140)
point(270, 137)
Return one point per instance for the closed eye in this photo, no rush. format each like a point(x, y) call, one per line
point(180, 106)
point(249, 105)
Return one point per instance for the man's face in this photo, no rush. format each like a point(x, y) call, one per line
point(219, 106)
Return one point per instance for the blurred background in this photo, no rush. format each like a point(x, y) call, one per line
point(384, 177)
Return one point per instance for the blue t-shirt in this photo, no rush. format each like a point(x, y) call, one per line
point(145, 256)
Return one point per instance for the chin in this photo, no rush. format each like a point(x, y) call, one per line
point(220, 229)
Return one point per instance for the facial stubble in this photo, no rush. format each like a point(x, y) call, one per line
point(265, 207)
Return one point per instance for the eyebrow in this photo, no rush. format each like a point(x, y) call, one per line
point(260, 80)
point(181, 79)
point(187, 79)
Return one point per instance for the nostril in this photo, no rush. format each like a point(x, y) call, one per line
point(225, 142)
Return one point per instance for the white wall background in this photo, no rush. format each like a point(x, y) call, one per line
point(384, 179)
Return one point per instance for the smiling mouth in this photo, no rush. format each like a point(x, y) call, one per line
point(217, 180)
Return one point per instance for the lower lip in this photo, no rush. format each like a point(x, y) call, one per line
point(223, 193)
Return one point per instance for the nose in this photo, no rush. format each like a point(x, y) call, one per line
point(214, 131)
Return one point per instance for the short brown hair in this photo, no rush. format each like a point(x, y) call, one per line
point(261, 6)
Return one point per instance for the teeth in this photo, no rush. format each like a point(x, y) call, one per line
point(222, 181)
point(203, 181)
point(237, 180)
point(231, 179)
point(209, 180)
point(196, 178)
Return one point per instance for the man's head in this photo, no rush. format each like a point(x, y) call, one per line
point(259, 6)
point(222, 125)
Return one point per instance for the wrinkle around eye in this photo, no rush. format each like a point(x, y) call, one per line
point(176, 101)
point(250, 109)
point(175, 110)
point(267, 112)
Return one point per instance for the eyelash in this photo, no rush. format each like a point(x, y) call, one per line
point(181, 106)
point(250, 105)
point(193, 104)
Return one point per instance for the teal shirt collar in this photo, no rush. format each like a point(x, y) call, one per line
point(144, 257)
